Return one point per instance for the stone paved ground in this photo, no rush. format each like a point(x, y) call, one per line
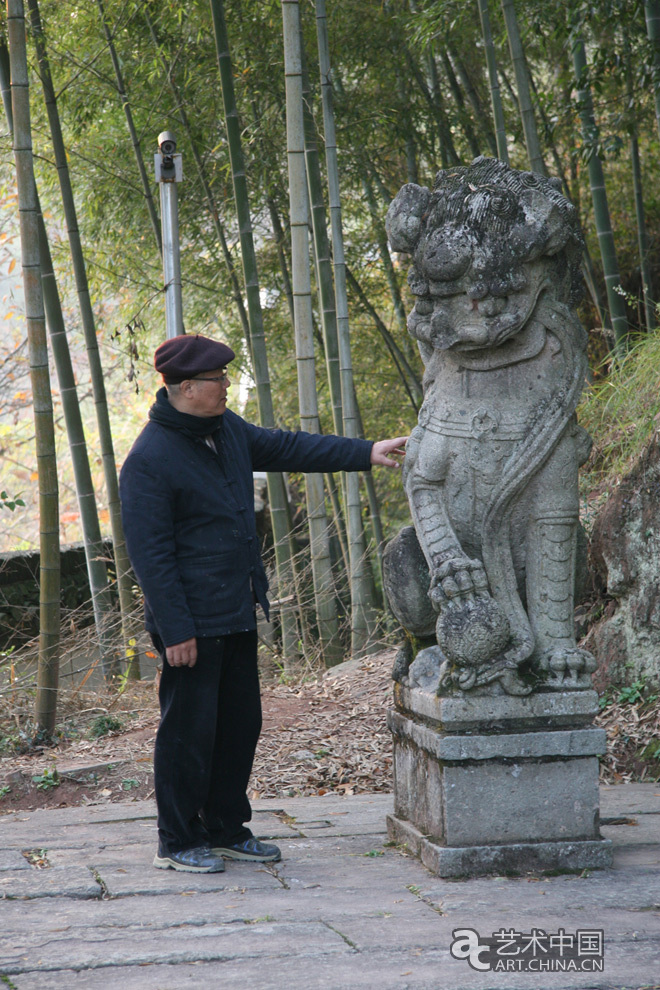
point(342, 910)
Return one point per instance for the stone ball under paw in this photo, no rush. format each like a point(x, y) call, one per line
point(473, 631)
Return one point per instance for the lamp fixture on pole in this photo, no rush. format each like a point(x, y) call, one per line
point(169, 170)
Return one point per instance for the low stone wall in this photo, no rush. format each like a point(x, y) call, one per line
point(19, 590)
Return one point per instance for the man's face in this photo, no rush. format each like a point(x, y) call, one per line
point(207, 393)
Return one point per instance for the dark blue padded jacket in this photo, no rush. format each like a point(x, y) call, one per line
point(188, 515)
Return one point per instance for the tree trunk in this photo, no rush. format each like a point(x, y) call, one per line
point(49, 544)
point(522, 82)
point(599, 197)
point(321, 564)
point(276, 489)
point(124, 581)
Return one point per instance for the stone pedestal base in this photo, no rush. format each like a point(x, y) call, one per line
point(519, 857)
point(497, 784)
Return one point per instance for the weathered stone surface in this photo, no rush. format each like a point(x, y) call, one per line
point(478, 800)
point(633, 799)
point(184, 943)
point(510, 745)
point(517, 857)
point(491, 468)
point(341, 916)
point(406, 580)
point(496, 787)
point(490, 713)
point(12, 860)
point(73, 881)
point(625, 555)
point(418, 788)
point(521, 801)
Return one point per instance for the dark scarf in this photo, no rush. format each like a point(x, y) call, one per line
point(197, 427)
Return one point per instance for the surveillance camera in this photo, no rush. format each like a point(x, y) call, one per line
point(167, 143)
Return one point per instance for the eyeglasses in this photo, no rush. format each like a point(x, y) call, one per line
point(217, 378)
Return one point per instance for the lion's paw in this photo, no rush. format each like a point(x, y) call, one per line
point(568, 668)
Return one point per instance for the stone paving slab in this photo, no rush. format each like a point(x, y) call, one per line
point(230, 906)
point(642, 830)
point(74, 881)
point(627, 856)
point(10, 859)
point(89, 814)
point(144, 880)
point(68, 832)
point(343, 909)
point(629, 799)
point(633, 890)
point(23, 834)
point(184, 943)
point(431, 969)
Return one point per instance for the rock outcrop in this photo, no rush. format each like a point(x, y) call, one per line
point(625, 557)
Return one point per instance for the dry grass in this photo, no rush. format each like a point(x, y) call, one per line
point(323, 735)
point(633, 741)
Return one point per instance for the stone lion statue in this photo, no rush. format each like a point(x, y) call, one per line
point(491, 468)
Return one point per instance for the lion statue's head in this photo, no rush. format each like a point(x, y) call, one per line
point(485, 243)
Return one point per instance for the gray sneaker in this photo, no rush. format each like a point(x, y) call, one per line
point(201, 859)
point(250, 849)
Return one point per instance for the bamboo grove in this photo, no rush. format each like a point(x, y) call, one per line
point(298, 121)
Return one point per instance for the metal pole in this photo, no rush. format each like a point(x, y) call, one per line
point(169, 170)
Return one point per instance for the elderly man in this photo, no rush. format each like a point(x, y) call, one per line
point(188, 511)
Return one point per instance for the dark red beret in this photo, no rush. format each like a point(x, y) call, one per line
point(188, 355)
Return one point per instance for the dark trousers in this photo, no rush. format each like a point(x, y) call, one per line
point(208, 732)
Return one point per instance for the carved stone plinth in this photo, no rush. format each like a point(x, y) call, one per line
point(491, 784)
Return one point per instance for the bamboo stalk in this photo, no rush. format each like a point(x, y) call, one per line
point(302, 298)
point(206, 186)
point(124, 582)
point(362, 592)
point(522, 82)
point(494, 83)
point(616, 301)
point(652, 14)
point(638, 193)
point(322, 252)
point(135, 141)
point(94, 551)
point(464, 117)
point(49, 544)
point(277, 495)
point(474, 99)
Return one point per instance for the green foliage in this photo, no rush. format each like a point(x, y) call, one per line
point(621, 411)
point(651, 751)
point(634, 693)
point(47, 780)
point(10, 503)
point(104, 724)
